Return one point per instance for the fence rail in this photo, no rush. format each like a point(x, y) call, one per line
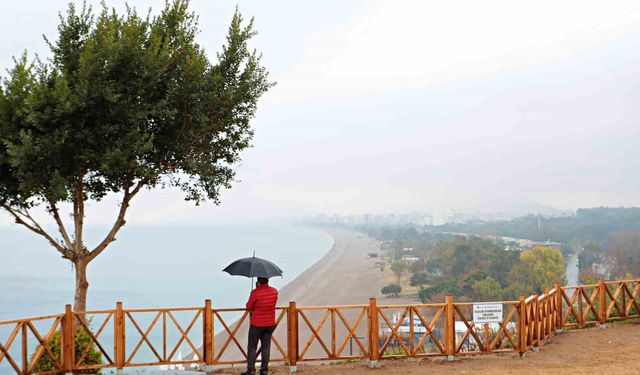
point(217, 336)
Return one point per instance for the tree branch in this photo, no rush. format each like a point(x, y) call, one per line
point(36, 228)
point(21, 220)
point(61, 228)
point(78, 215)
point(120, 222)
point(139, 186)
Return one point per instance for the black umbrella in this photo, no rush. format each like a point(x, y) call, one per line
point(253, 267)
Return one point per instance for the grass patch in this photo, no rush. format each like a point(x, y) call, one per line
point(629, 321)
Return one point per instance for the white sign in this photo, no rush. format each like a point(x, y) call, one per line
point(487, 313)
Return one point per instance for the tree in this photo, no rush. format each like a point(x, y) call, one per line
point(539, 267)
point(418, 267)
point(513, 290)
point(443, 287)
point(624, 248)
point(399, 268)
point(419, 279)
point(425, 294)
point(591, 254)
point(391, 290)
point(487, 289)
point(126, 103)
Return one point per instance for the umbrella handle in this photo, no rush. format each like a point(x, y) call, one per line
point(254, 255)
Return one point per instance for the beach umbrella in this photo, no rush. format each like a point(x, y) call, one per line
point(253, 267)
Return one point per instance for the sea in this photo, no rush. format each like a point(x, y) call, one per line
point(150, 266)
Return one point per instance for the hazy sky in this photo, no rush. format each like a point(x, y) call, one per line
point(395, 106)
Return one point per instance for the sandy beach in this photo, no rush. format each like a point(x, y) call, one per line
point(344, 276)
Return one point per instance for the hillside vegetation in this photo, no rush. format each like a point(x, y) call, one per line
point(436, 262)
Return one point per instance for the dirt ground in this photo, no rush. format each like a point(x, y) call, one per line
point(614, 350)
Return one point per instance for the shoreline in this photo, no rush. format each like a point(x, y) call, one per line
point(345, 275)
point(350, 268)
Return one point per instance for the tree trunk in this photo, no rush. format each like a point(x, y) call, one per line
point(82, 285)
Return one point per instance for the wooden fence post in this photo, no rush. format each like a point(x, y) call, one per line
point(522, 326)
point(552, 314)
point(25, 348)
point(580, 291)
point(543, 327)
point(449, 328)
point(623, 285)
point(602, 306)
point(536, 323)
point(546, 313)
point(412, 343)
point(486, 342)
point(207, 336)
point(119, 339)
point(333, 332)
point(292, 336)
point(559, 303)
point(68, 340)
point(374, 344)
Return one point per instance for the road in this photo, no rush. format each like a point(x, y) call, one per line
point(572, 272)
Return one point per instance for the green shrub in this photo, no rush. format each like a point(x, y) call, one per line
point(394, 350)
point(82, 340)
point(391, 290)
point(419, 279)
point(425, 294)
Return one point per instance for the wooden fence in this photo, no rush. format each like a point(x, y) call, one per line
point(217, 337)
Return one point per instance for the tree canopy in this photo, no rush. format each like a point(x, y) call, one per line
point(540, 267)
point(471, 268)
point(126, 102)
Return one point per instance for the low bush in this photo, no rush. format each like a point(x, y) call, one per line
point(82, 341)
point(391, 290)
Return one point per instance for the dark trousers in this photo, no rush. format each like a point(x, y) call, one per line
point(264, 335)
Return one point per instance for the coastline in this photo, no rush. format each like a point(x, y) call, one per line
point(345, 275)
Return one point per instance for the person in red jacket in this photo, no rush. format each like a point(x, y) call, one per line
point(262, 307)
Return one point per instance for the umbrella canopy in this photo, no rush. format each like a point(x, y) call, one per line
point(253, 267)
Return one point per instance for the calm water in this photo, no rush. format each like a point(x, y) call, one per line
point(150, 266)
point(147, 267)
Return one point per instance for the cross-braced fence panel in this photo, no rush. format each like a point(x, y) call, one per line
point(31, 345)
point(332, 332)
